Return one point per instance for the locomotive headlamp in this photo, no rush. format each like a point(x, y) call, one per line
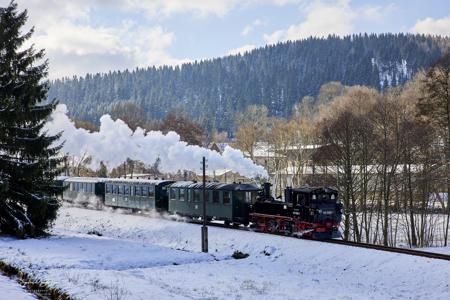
point(332, 197)
point(314, 197)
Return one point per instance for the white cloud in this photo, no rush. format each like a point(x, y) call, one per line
point(75, 46)
point(324, 17)
point(249, 28)
point(165, 8)
point(285, 2)
point(433, 26)
point(321, 19)
point(376, 12)
point(241, 50)
point(107, 48)
point(200, 8)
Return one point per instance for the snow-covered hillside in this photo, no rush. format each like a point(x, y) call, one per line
point(392, 73)
point(138, 257)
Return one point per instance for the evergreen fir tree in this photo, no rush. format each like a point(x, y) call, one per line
point(27, 154)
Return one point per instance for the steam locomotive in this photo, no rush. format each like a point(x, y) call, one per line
point(306, 211)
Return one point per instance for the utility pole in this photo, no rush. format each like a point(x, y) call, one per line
point(204, 228)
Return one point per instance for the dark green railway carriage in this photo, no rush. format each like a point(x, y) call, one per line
point(85, 191)
point(227, 202)
point(139, 194)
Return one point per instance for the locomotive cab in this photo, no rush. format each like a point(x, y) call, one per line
point(318, 206)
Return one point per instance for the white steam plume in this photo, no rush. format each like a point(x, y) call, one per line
point(115, 142)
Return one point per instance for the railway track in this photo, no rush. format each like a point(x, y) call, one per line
point(347, 243)
point(391, 249)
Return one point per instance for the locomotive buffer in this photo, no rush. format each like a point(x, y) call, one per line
point(204, 228)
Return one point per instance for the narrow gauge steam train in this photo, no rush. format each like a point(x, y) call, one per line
point(307, 211)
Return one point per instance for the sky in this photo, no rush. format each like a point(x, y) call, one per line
point(96, 36)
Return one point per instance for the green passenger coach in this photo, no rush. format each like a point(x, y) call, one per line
point(137, 194)
point(85, 191)
point(226, 202)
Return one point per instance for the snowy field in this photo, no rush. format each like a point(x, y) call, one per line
point(10, 290)
point(138, 257)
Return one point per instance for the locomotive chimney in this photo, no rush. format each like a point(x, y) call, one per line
point(266, 190)
point(288, 195)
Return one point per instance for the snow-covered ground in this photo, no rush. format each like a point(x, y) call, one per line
point(442, 250)
point(138, 257)
point(11, 290)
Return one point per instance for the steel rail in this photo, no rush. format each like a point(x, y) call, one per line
point(407, 251)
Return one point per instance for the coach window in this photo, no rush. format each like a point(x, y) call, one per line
point(126, 190)
point(137, 190)
point(226, 197)
point(196, 195)
point(249, 197)
point(182, 194)
point(216, 197)
point(120, 189)
point(145, 191)
point(108, 188)
point(173, 194)
point(151, 191)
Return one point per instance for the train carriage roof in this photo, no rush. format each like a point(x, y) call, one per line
point(85, 179)
point(312, 189)
point(138, 181)
point(115, 180)
point(217, 186)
